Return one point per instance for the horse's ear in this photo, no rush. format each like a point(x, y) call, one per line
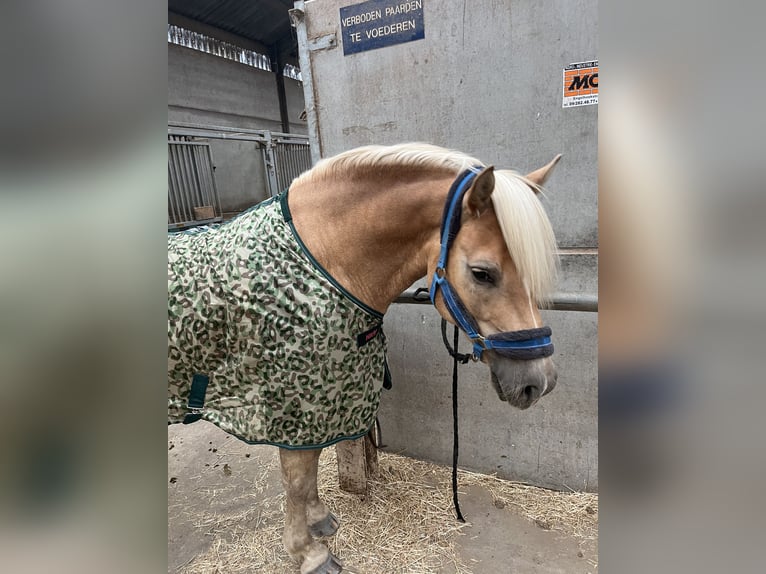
point(540, 175)
point(478, 197)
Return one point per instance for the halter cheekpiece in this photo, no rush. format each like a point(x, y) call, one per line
point(525, 344)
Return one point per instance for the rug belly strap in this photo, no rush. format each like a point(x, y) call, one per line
point(196, 398)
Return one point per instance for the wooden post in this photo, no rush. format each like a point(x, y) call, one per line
point(371, 456)
point(357, 462)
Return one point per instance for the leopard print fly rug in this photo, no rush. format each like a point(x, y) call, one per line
point(262, 341)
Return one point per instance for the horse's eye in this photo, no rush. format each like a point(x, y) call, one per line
point(482, 276)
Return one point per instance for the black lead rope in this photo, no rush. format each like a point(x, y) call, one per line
point(456, 358)
point(460, 357)
point(454, 430)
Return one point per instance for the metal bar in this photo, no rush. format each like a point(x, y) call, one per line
point(200, 188)
point(193, 191)
point(300, 160)
point(289, 171)
point(175, 192)
point(182, 183)
point(174, 128)
point(296, 163)
point(298, 19)
point(296, 139)
point(291, 163)
point(217, 135)
point(213, 127)
point(205, 178)
point(188, 172)
point(294, 167)
point(199, 170)
point(306, 160)
point(216, 197)
point(283, 163)
point(325, 42)
point(171, 195)
point(207, 168)
point(204, 191)
point(559, 301)
point(264, 157)
point(193, 144)
point(285, 166)
point(277, 66)
point(176, 185)
point(271, 174)
point(225, 132)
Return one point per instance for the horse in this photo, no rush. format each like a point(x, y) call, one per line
point(275, 317)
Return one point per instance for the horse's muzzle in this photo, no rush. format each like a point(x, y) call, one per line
point(522, 383)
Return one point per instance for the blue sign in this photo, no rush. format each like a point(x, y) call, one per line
point(380, 23)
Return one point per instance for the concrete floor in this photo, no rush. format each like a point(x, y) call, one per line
point(201, 458)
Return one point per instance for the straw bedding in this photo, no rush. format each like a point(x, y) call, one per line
point(405, 524)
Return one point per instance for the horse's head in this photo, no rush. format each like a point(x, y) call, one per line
point(500, 262)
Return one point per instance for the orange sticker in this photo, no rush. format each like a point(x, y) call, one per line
point(581, 84)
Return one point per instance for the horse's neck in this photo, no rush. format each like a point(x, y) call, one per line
point(375, 237)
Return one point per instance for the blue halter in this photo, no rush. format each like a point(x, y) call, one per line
point(525, 344)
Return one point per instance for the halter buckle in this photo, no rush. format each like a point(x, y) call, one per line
point(481, 341)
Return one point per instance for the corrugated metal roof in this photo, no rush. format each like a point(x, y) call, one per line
point(265, 21)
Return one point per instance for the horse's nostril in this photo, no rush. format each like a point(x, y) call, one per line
point(531, 392)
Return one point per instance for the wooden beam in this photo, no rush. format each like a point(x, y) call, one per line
point(357, 463)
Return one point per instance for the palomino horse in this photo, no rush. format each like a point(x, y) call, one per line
point(275, 316)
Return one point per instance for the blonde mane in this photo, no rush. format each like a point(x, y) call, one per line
point(527, 232)
point(525, 226)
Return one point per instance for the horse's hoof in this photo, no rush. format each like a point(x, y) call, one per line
point(330, 566)
point(325, 527)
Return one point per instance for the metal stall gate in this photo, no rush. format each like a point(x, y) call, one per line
point(192, 194)
point(285, 158)
point(194, 197)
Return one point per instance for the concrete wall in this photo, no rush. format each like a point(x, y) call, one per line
point(487, 79)
point(206, 89)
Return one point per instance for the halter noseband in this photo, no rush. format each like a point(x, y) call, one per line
point(525, 344)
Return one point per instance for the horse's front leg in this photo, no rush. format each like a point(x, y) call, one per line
point(299, 477)
point(321, 521)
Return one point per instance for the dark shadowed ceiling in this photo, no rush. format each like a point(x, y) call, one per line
point(264, 21)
